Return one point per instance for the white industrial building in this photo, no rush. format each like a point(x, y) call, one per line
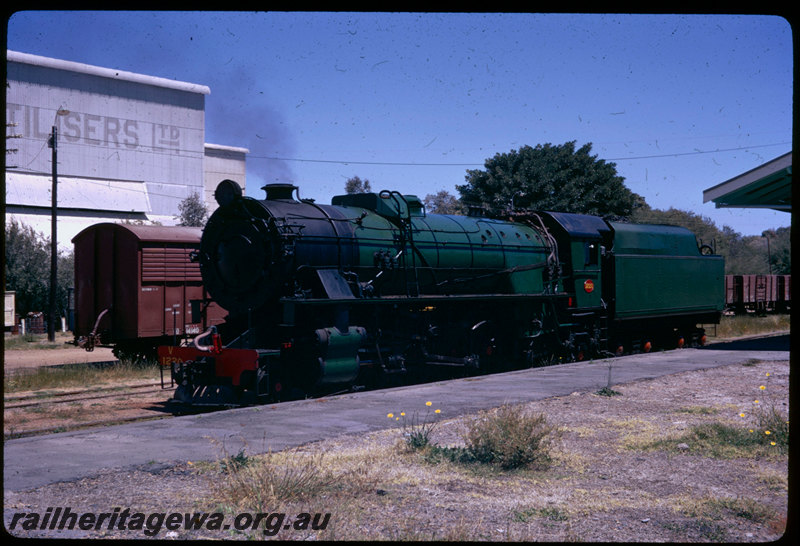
point(130, 147)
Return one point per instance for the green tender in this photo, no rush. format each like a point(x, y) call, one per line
point(660, 271)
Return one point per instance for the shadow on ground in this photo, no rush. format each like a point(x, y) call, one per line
point(772, 343)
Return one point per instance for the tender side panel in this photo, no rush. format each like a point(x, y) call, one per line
point(659, 271)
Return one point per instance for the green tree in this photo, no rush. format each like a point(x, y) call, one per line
point(193, 211)
point(442, 202)
point(745, 255)
point(553, 178)
point(27, 266)
point(780, 250)
point(356, 185)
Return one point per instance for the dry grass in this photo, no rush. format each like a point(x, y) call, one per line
point(35, 342)
point(609, 478)
point(748, 325)
point(77, 376)
point(259, 483)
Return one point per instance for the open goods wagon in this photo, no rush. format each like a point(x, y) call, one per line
point(758, 293)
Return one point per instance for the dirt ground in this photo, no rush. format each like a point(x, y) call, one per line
point(13, 360)
point(605, 483)
point(70, 413)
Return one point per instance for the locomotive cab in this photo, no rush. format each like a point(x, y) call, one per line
point(581, 241)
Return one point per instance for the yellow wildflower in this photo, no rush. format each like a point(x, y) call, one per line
point(438, 411)
point(390, 415)
point(772, 443)
point(741, 415)
point(762, 387)
point(767, 374)
point(428, 403)
point(402, 414)
point(767, 432)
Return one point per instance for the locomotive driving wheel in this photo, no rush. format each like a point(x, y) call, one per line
point(484, 347)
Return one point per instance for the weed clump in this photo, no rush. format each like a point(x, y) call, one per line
point(510, 438)
point(773, 428)
point(417, 432)
point(607, 391)
point(233, 463)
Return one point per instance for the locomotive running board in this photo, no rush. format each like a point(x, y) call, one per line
point(452, 361)
point(434, 298)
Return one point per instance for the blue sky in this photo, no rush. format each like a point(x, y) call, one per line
point(410, 101)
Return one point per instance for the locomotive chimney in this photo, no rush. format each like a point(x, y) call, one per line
point(227, 192)
point(279, 191)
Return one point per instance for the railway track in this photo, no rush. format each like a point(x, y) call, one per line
point(36, 399)
point(42, 412)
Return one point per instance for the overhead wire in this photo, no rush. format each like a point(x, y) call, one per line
point(172, 151)
point(438, 164)
point(159, 150)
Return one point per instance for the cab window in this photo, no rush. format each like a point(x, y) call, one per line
point(590, 252)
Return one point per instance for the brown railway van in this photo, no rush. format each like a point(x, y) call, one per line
point(135, 287)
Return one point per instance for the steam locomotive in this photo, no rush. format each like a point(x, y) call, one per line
point(372, 288)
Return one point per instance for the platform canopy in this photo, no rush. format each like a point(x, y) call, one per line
point(768, 186)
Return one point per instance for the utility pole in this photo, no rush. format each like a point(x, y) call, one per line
point(769, 254)
point(51, 324)
point(53, 143)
